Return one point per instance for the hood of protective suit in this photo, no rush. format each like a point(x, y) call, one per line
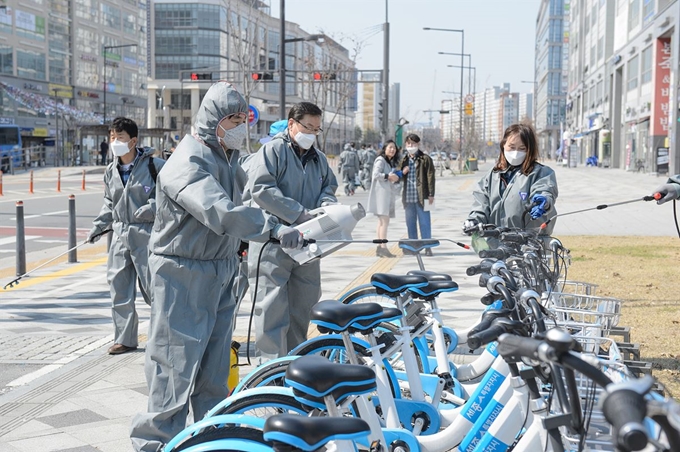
point(221, 100)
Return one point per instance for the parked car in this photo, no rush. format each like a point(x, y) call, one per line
point(453, 155)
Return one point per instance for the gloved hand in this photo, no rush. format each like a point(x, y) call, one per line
point(304, 216)
point(540, 206)
point(147, 212)
point(669, 191)
point(470, 226)
point(329, 203)
point(94, 235)
point(288, 237)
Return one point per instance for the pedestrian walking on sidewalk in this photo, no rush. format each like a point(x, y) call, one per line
point(418, 192)
point(367, 157)
point(129, 209)
point(288, 177)
point(385, 186)
point(199, 226)
point(517, 192)
point(349, 168)
point(103, 151)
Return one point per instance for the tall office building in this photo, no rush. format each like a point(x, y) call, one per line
point(54, 52)
point(551, 72)
point(238, 41)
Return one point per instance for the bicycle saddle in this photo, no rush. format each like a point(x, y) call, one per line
point(430, 275)
point(313, 377)
point(395, 284)
point(310, 433)
point(433, 288)
point(336, 317)
point(418, 245)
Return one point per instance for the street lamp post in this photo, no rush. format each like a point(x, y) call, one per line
point(468, 67)
point(106, 48)
point(462, 63)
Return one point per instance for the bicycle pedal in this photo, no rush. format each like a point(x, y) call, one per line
point(448, 380)
point(386, 340)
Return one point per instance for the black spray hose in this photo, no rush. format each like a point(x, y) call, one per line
point(252, 309)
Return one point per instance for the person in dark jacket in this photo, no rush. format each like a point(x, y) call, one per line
point(418, 192)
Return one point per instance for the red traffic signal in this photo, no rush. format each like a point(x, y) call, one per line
point(262, 76)
point(201, 76)
point(324, 76)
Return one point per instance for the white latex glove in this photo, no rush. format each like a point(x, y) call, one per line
point(147, 212)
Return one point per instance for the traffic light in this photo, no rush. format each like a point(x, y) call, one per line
point(260, 76)
point(317, 76)
point(201, 76)
point(380, 112)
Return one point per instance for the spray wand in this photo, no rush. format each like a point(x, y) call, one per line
point(656, 196)
point(382, 241)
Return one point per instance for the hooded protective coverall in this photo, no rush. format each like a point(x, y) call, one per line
point(285, 184)
point(129, 210)
point(349, 168)
point(510, 207)
point(199, 226)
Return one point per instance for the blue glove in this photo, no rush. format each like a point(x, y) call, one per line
point(539, 208)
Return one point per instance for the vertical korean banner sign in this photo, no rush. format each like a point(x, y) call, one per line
point(662, 87)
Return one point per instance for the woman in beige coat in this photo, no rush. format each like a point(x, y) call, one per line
point(384, 190)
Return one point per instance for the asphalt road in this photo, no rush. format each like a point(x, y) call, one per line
point(46, 211)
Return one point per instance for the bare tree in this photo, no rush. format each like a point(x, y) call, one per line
point(336, 84)
point(247, 51)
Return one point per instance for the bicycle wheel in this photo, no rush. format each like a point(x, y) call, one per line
point(227, 432)
point(271, 373)
point(264, 405)
point(334, 349)
point(366, 294)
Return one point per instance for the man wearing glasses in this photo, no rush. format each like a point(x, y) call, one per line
point(288, 177)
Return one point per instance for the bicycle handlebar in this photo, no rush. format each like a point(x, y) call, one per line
point(625, 410)
point(498, 327)
point(482, 267)
point(495, 254)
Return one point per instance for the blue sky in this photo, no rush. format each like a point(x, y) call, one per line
point(499, 34)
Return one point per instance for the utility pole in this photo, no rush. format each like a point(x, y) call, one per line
point(386, 77)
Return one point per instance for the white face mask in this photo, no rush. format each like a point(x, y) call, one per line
point(411, 149)
point(515, 158)
point(119, 148)
point(233, 138)
point(304, 140)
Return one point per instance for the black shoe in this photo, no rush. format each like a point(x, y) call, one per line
point(428, 251)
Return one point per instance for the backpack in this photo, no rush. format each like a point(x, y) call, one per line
point(152, 170)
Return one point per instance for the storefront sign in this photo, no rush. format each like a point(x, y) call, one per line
point(662, 88)
point(6, 121)
point(88, 94)
point(62, 91)
point(662, 160)
point(86, 57)
point(30, 22)
point(40, 132)
point(33, 87)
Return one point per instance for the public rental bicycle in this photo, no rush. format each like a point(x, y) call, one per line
point(551, 397)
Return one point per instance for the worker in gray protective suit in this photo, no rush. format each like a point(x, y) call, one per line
point(367, 158)
point(349, 168)
point(287, 177)
point(199, 225)
point(518, 192)
point(129, 192)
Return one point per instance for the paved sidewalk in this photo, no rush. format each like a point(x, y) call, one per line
point(67, 394)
